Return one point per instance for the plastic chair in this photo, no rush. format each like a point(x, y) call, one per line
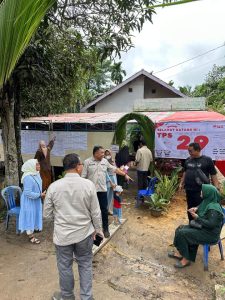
point(206, 248)
point(147, 192)
point(9, 196)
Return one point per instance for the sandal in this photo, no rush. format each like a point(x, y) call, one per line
point(171, 254)
point(179, 265)
point(34, 240)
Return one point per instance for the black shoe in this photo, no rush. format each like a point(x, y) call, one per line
point(106, 234)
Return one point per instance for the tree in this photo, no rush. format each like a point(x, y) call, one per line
point(213, 89)
point(186, 90)
point(18, 22)
point(106, 25)
point(172, 2)
point(67, 76)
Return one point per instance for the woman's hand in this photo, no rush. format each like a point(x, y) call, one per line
point(192, 211)
point(43, 195)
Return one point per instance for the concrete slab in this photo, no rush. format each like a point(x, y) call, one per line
point(112, 229)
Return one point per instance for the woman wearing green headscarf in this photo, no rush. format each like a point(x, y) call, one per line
point(208, 217)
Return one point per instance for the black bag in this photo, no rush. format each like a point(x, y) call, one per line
point(200, 177)
point(195, 224)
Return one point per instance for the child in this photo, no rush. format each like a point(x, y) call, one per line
point(117, 210)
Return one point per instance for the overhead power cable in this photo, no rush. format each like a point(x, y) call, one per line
point(194, 68)
point(190, 59)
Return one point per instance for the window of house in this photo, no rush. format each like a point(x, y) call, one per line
point(130, 90)
point(153, 91)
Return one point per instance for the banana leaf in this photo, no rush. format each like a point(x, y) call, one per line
point(19, 19)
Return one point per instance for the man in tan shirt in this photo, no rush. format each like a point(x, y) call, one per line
point(143, 159)
point(73, 203)
point(95, 169)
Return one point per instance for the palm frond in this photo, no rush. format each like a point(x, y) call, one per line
point(147, 125)
point(170, 3)
point(18, 21)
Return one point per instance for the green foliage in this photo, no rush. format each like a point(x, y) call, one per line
point(187, 90)
point(145, 123)
point(213, 89)
point(18, 22)
point(172, 2)
point(108, 25)
point(157, 203)
point(167, 185)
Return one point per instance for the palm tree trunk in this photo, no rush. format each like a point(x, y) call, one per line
point(17, 122)
point(8, 136)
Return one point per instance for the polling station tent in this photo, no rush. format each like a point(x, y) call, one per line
point(81, 131)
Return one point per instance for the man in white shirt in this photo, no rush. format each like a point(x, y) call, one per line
point(95, 169)
point(73, 203)
point(143, 159)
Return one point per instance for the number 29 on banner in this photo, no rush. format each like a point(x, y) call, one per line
point(185, 140)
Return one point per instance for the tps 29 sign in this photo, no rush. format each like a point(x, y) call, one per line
point(172, 139)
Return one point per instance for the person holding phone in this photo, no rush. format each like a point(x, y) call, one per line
point(204, 228)
point(72, 202)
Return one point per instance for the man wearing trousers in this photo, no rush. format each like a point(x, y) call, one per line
point(95, 169)
point(190, 178)
point(73, 203)
point(143, 159)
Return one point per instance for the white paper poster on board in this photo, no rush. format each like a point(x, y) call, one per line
point(172, 139)
point(30, 140)
point(65, 140)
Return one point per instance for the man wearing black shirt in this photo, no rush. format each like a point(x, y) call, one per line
point(194, 166)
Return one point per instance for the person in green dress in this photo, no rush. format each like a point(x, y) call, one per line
point(209, 218)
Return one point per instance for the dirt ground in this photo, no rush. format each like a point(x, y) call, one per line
point(133, 265)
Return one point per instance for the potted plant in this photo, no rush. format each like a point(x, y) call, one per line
point(157, 205)
point(167, 185)
point(165, 189)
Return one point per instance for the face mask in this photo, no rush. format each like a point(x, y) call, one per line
point(108, 157)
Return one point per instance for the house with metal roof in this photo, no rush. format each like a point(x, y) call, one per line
point(127, 95)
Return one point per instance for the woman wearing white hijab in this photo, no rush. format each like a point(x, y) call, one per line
point(30, 217)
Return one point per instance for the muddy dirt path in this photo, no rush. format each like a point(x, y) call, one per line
point(133, 265)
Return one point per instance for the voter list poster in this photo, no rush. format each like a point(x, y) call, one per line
point(65, 140)
point(172, 139)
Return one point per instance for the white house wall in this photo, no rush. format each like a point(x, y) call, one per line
point(153, 89)
point(122, 100)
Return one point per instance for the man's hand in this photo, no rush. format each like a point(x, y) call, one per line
point(99, 232)
point(128, 178)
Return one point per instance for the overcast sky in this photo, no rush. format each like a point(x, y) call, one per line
point(177, 34)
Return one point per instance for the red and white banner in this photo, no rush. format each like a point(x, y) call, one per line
point(172, 139)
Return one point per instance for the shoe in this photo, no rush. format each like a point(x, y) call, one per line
point(179, 265)
point(106, 234)
point(58, 296)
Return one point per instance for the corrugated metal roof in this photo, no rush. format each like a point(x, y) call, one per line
point(96, 118)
